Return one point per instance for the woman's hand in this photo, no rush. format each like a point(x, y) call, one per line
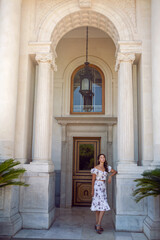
point(114, 172)
point(109, 179)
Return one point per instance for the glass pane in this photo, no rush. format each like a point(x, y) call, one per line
point(85, 84)
point(86, 156)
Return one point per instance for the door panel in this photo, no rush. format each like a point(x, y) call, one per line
point(85, 154)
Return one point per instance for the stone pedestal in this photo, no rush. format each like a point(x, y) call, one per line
point(10, 219)
point(152, 222)
point(37, 202)
point(129, 214)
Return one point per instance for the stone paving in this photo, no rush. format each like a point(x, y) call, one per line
point(78, 224)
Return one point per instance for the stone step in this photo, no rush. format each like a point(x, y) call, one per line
point(15, 238)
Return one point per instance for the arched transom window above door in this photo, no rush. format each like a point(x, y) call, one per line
point(87, 97)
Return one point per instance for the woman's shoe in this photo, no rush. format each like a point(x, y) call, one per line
point(98, 230)
point(101, 229)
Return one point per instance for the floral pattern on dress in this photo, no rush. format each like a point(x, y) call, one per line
point(99, 200)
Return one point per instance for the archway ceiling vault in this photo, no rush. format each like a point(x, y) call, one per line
point(54, 27)
point(80, 19)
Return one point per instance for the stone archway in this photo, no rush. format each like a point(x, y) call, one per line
point(54, 26)
point(112, 21)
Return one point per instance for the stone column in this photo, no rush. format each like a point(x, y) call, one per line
point(129, 215)
point(152, 221)
point(125, 109)
point(37, 202)
point(10, 15)
point(42, 128)
point(155, 48)
point(10, 18)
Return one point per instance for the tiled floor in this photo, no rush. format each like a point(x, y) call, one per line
point(78, 223)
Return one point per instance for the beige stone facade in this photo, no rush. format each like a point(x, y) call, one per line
point(41, 43)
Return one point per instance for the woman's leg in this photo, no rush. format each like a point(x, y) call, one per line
point(97, 216)
point(101, 213)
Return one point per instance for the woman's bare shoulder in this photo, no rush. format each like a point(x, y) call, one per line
point(97, 167)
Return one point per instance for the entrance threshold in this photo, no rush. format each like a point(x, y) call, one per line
point(77, 223)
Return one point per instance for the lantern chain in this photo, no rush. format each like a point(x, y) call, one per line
point(87, 44)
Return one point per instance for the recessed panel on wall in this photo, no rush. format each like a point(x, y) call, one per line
point(85, 155)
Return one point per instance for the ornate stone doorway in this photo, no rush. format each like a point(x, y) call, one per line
point(93, 129)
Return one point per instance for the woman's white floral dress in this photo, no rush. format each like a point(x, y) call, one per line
point(99, 200)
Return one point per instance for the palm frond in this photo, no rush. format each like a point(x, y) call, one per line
point(9, 163)
point(9, 174)
point(18, 183)
point(149, 185)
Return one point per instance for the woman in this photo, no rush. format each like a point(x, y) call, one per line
point(99, 195)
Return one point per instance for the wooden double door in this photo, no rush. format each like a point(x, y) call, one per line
point(85, 152)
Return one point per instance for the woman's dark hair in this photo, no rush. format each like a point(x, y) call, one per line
point(105, 163)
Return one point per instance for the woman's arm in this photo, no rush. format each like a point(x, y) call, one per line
point(114, 172)
point(93, 180)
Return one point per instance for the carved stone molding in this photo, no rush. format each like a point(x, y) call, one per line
point(124, 57)
point(41, 57)
point(46, 57)
point(110, 121)
point(85, 3)
point(53, 65)
point(78, 19)
point(130, 47)
point(40, 47)
point(125, 9)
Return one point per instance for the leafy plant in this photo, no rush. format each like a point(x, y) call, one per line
point(8, 173)
point(149, 185)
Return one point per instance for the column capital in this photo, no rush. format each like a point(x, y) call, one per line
point(124, 57)
point(46, 58)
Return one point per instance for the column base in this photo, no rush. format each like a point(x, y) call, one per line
point(40, 167)
point(10, 225)
point(22, 160)
point(129, 214)
point(129, 223)
point(10, 219)
point(155, 164)
point(152, 229)
point(37, 202)
point(125, 168)
point(38, 220)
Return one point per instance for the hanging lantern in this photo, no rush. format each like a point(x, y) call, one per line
point(86, 79)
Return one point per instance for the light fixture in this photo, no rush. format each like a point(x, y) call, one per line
point(86, 79)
